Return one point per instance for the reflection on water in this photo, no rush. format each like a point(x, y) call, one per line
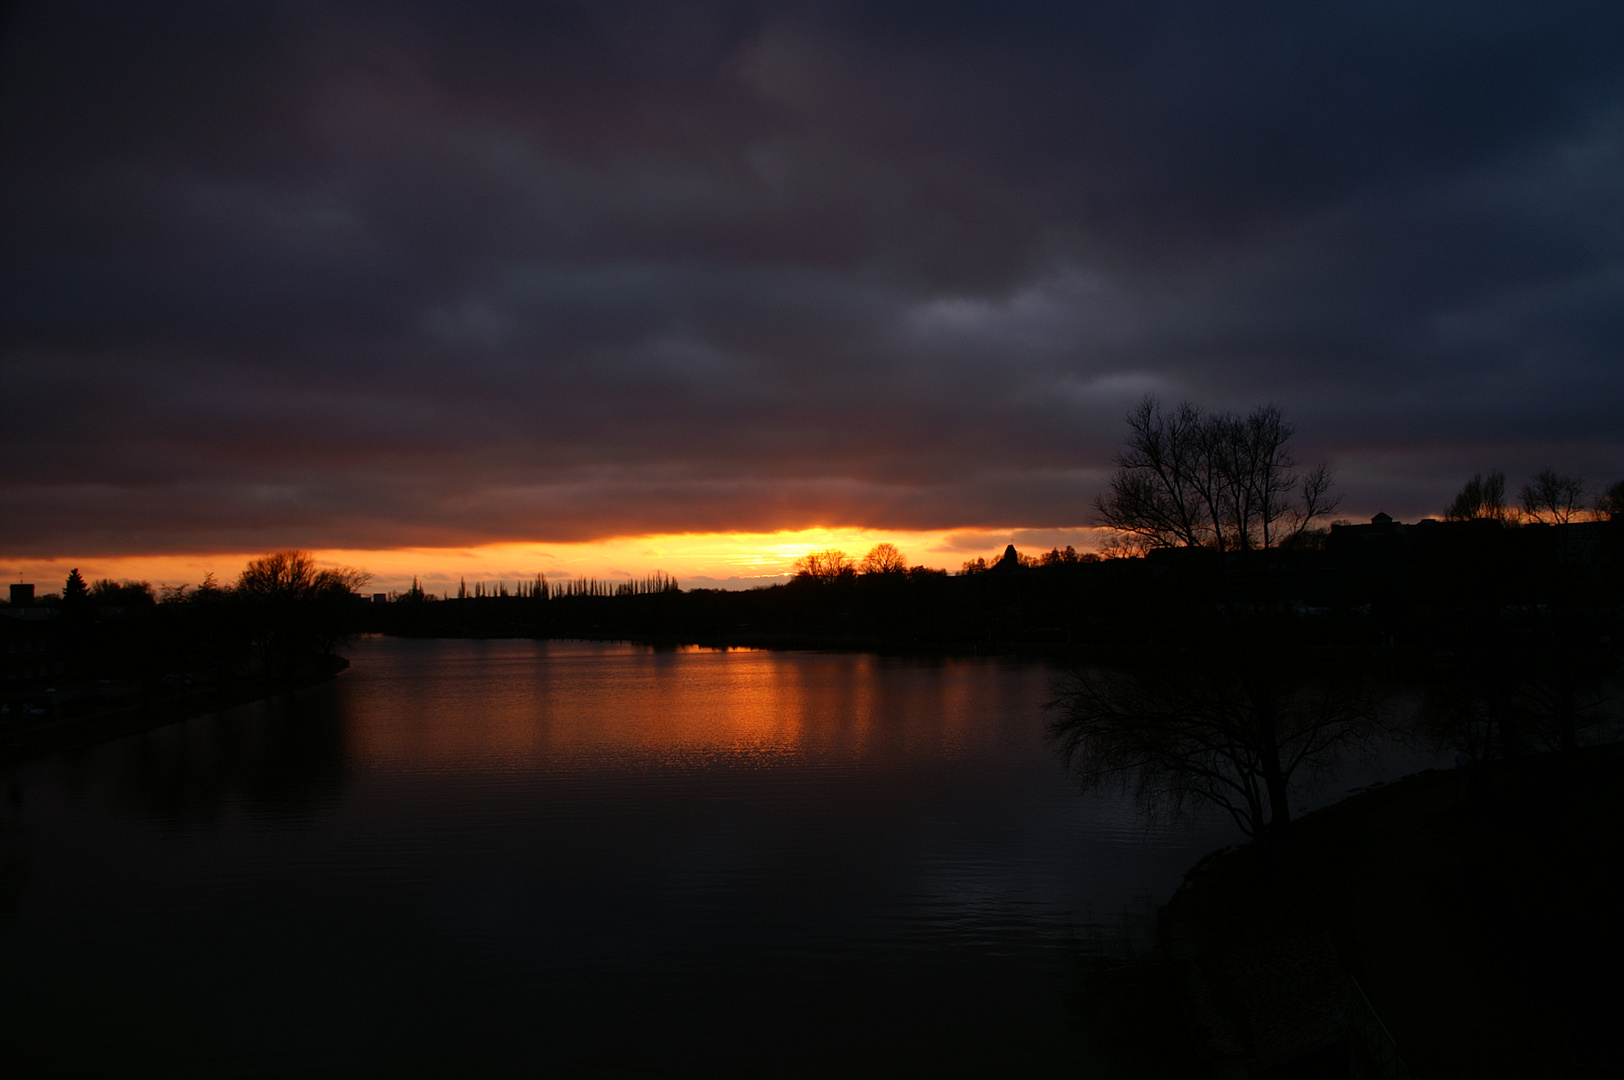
point(495, 709)
point(511, 856)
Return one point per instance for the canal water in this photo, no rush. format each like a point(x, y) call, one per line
point(518, 857)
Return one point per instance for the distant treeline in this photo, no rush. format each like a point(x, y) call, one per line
point(539, 588)
point(1385, 584)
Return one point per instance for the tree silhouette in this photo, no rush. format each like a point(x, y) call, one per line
point(1188, 478)
point(825, 566)
point(884, 559)
point(1610, 503)
point(1552, 498)
point(110, 593)
point(74, 590)
point(1227, 708)
point(299, 608)
point(293, 575)
point(1056, 557)
point(1482, 498)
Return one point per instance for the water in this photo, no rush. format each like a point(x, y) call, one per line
point(505, 857)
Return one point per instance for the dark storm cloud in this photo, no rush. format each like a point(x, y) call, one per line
point(399, 274)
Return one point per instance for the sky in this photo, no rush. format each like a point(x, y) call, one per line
point(604, 288)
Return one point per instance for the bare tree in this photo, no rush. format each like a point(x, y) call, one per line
point(824, 566)
point(1188, 478)
point(1610, 503)
point(298, 607)
point(1231, 713)
point(293, 575)
point(884, 559)
point(1165, 490)
point(1552, 498)
point(1482, 498)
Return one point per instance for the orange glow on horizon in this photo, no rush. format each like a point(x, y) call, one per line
point(696, 560)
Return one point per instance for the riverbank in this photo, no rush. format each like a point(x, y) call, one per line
point(29, 737)
point(1459, 923)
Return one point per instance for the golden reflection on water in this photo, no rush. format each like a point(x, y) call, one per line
point(510, 704)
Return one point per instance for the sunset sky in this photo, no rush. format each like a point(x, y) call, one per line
point(603, 288)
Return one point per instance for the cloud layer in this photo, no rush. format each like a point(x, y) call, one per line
point(362, 276)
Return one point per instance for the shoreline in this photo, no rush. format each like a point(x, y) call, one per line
point(1417, 926)
point(89, 729)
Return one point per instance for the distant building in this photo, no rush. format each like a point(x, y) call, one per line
point(380, 598)
point(22, 595)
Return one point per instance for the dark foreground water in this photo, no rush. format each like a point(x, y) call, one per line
point(513, 857)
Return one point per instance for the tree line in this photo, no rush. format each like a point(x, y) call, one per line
point(279, 620)
point(539, 588)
